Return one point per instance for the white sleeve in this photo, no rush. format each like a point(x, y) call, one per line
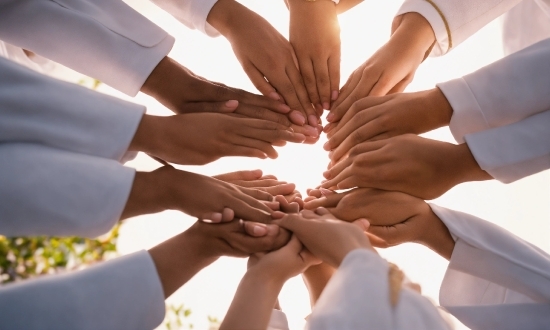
point(278, 321)
point(47, 191)
point(504, 92)
point(104, 39)
point(42, 110)
point(515, 151)
point(454, 21)
point(495, 280)
point(192, 13)
point(124, 293)
point(357, 297)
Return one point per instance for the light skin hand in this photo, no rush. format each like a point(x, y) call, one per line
point(257, 293)
point(391, 68)
point(178, 259)
point(265, 55)
point(328, 238)
point(256, 180)
point(394, 217)
point(377, 118)
point(411, 164)
point(200, 196)
point(201, 138)
point(315, 37)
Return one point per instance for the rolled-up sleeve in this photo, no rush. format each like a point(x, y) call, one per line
point(192, 13)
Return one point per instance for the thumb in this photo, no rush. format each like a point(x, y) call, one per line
point(215, 107)
point(292, 222)
point(240, 175)
point(364, 224)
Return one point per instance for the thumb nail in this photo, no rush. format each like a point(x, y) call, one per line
point(232, 104)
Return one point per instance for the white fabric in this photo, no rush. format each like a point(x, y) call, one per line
point(278, 321)
point(124, 293)
point(494, 280)
point(357, 297)
point(525, 22)
point(501, 93)
point(104, 39)
point(16, 54)
point(512, 152)
point(192, 13)
point(60, 147)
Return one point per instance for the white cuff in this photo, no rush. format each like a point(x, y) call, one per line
point(278, 321)
point(429, 12)
point(467, 115)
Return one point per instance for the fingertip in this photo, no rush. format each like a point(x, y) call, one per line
point(334, 95)
point(326, 105)
point(277, 215)
point(326, 192)
point(274, 96)
point(232, 104)
point(312, 120)
point(297, 118)
point(331, 117)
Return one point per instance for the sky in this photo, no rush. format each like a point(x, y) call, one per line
point(522, 207)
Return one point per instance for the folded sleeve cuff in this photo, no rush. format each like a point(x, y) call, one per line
point(467, 115)
point(429, 11)
point(124, 293)
point(514, 151)
point(278, 321)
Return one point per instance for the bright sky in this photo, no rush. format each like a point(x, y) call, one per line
point(522, 207)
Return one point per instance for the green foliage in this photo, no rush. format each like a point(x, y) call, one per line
point(26, 257)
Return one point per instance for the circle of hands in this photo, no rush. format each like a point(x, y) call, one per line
point(380, 171)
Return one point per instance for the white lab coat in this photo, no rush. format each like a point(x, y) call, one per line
point(454, 21)
point(60, 151)
point(494, 280)
point(502, 112)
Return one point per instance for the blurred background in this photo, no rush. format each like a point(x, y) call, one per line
point(522, 207)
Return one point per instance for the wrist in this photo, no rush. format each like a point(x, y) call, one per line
point(466, 166)
point(145, 196)
point(437, 238)
point(225, 14)
point(439, 107)
point(145, 139)
point(266, 276)
point(415, 32)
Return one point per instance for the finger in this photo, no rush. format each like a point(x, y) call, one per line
point(261, 183)
point(301, 92)
point(400, 87)
point(345, 91)
point(382, 86)
point(338, 168)
point(272, 135)
point(306, 130)
point(216, 107)
point(326, 202)
point(366, 133)
point(347, 172)
point(334, 74)
point(315, 193)
point(258, 80)
point(286, 206)
point(322, 211)
point(323, 82)
point(251, 111)
point(243, 151)
point(269, 176)
point(262, 146)
point(309, 214)
point(239, 175)
point(256, 193)
point(227, 214)
point(255, 229)
point(306, 68)
point(364, 224)
point(248, 208)
point(212, 217)
point(392, 235)
point(275, 206)
point(283, 189)
point(362, 89)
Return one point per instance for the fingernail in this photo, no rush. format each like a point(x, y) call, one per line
point(274, 95)
point(331, 117)
point(330, 153)
point(232, 104)
point(207, 220)
point(257, 173)
point(311, 131)
point(284, 108)
point(277, 215)
point(326, 105)
point(259, 229)
point(312, 119)
point(334, 95)
point(297, 118)
point(319, 107)
point(326, 146)
point(326, 174)
point(216, 217)
point(328, 128)
point(326, 192)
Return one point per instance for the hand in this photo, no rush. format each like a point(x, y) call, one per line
point(265, 55)
point(315, 37)
point(326, 237)
point(178, 259)
point(391, 68)
point(408, 163)
point(199, 196)
point(201, 138)
point(289, 261)
point(377, 118)
point(256, 180)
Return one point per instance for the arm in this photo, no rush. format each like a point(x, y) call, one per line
point(455, 21)
point(316, 278)
point(512, 273)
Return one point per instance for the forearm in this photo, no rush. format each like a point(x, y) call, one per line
point(178, 259)
point(316, 278)
point(438, 238)
point(253, 303)
point(413, 31)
